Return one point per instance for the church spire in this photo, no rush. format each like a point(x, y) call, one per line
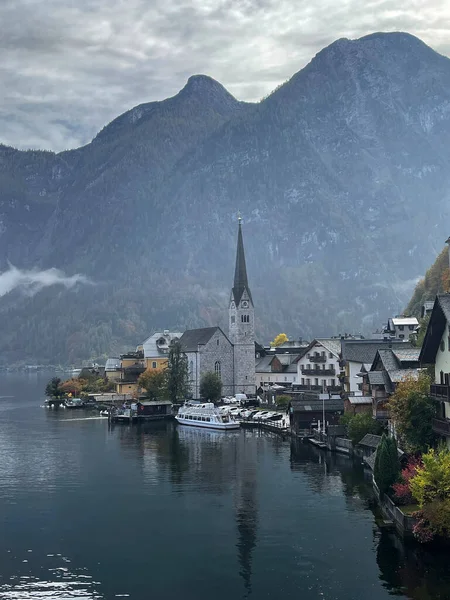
point(240, 272)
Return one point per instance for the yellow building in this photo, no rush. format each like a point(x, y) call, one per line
point(156, 348)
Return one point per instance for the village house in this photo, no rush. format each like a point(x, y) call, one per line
point(156, 348)
point(279, 369)
point(390, 367)
point(401, 328)
point(132, 365)
point(357, 357)
point(318, 368)
point(113, 369)
point(436, 351)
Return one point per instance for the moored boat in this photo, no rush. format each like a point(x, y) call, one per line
point(205, 415)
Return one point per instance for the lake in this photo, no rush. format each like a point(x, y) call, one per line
point(163, 511)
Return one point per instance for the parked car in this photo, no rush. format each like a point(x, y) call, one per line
point(260, 414)
point(267, 416)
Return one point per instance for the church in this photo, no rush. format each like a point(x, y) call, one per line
point(231, 357)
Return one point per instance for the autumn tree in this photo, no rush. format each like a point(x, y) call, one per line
point(73, 386)
point(279, 340)
point(153, 382)
point(210, 386)
point(176, 374)
point(412, 411)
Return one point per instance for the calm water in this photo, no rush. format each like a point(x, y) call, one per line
point(167, 512)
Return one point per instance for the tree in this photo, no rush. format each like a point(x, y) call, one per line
point(73, 386)
point(210, 386)
point(360, 424)
point(412, 411)
point(432, 480)
point(176, 380)
point(282, 400)
point(153, 381)
point(279, 340)
point(387, 467)
point(402, 489)
point(52, 388)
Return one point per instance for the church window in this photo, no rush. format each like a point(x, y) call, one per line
point(245, 318)
point(233, 320)
point(217, 341)
point(217, 369)
point(191, 368)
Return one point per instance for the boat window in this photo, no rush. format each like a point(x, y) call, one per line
point(208, 419)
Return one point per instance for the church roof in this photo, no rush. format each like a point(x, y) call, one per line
point(240, 271)
point(193, 338)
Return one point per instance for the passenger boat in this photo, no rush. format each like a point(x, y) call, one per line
point(205, 415)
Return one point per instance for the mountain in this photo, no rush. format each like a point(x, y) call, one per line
point(342, 176)
point(436, 281)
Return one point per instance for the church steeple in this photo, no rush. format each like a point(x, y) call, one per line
point(240, 271)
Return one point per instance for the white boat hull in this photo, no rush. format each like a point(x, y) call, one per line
point(205, 424)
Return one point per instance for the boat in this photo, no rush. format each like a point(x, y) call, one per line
point(104, 413)
point(74, 403)
point(205, 415)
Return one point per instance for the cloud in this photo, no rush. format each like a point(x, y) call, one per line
point(31, 282)
point(69, 67)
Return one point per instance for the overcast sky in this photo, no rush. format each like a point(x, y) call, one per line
point(68, 67)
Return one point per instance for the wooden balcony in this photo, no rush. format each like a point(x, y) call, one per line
point(318, 372)
point(381, 414)
point(317, 358)
point(441, 392)
point(441, 426)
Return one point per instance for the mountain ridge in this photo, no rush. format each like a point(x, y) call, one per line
point(330, 171)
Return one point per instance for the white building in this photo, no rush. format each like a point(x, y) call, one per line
point(319, 368)
point(401, 328)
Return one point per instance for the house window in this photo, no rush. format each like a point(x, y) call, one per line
point(154, 364)
point(295, 378)
point(217, 368)
point(401, 336)
point(308, 381)
point(401, 327)
point(330, 355)
point(233, 320)
point(285, 378)
point(268, 379)
point(303, 381)
point(316, 381)
point(332, 382)
point(411, 327)
point(323, 366)
point(323, 353)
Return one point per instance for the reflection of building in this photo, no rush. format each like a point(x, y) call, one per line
point(246, 511)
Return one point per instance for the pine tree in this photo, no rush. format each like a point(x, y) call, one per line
point(176, 373)
point(387, 467)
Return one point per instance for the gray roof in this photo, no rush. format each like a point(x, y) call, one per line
point(407, 355)
point(154, 350)
point(360, 399)
point(364, 351)
point(292, 368)
point(332, 345)
point(370, 440)
point(263, 365)
point(388, 359)
point(193, 338)
point(376, 378)
point(155, 402)
point(240, 273)
point(439, 318)
point(316, 405)
point(112, 364)
point(399, 374)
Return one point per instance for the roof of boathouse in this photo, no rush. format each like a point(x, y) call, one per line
point(370, 440)
point(308, 405)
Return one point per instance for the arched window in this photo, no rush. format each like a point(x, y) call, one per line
point(191, 369)
point(217, 370)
